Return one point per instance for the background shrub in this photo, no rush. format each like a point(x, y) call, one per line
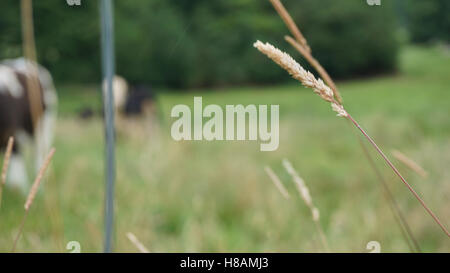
point(197, 43)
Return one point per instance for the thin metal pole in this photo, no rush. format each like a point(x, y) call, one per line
point(107, 36)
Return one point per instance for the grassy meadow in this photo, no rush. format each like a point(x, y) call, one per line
point(215, 196)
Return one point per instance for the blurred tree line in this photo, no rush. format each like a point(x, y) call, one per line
point(426, 21)
point(195, 43)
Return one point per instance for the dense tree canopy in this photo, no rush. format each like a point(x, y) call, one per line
point(427, 20)
point(194, 43)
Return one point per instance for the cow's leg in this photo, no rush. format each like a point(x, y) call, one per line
point(17, 173)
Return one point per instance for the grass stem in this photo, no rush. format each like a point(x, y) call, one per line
point(22, 224)
point(393, 206)
point(300, 44)
point(6, 159)
point(32, 194)
point(435, 218)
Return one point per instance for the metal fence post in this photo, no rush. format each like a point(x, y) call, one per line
point(107, 37)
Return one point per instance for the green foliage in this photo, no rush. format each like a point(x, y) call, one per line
point(347, 37)
point(428, 20)
point(197, 43)
point(67, 38)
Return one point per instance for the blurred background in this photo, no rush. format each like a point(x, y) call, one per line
point(391, 64)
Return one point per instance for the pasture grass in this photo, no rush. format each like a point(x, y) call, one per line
point(216, 196)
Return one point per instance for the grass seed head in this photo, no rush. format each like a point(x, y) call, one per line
point(299, 73)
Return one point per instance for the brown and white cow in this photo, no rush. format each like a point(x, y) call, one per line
point(16, 119)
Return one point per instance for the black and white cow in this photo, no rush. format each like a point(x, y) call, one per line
point(16, 119)
point(129, 100)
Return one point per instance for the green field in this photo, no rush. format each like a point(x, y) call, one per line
point(215, 196)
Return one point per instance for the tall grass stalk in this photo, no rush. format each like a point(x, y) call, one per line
point(276, 181)
point(6, 159)
point(317, 66)
point(393, 206)
point(140, 246)
point(300, 44)
point(389, 163)
point(286, 17)
point(32, 195)
point(307, 79)
point(29, 50)
point(306, 197)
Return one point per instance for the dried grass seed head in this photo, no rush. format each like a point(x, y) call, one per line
point(299, 73)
